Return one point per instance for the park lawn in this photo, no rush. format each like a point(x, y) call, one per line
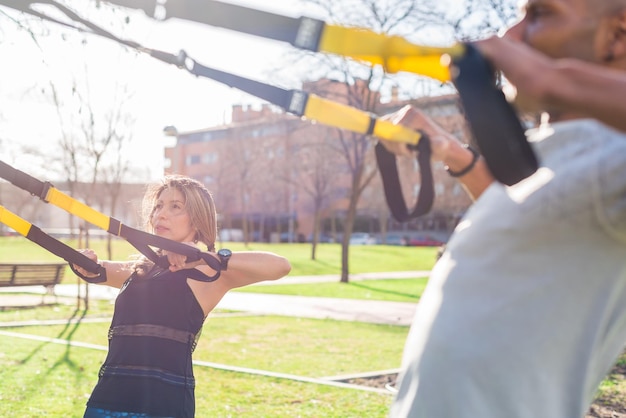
point(363, 258)
point(395, 290)
point(46, 379)
point(52, 380)
point(307, 347)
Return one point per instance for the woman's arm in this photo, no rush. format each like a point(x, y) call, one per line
point(117, 271)
point(248, 267)
point(244, 267)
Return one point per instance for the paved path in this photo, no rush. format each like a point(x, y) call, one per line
point(380, 312)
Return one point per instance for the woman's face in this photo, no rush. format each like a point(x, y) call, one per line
point(170, 219)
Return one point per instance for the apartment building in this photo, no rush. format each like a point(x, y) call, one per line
point(272, 173)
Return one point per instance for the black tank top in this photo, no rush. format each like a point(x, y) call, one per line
point(148, 368)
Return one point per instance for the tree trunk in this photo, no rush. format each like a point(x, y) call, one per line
point(316, 233)
point(345, 244)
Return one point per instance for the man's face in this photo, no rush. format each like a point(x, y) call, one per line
point(558, 28)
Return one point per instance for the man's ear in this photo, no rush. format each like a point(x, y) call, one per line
point(614, 44)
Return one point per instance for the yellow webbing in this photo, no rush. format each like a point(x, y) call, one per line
point(346, 117)
point(77, 208)
point(394, 53)
point(10, 219)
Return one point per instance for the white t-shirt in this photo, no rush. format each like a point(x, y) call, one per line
point(525, 313)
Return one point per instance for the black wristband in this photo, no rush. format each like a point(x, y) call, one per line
point(470, 166)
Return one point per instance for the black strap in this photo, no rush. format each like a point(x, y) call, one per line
point(493, 121)
point(391, 182)
point(275, 95)
point(302, 32)
point(139, 239)
point(69, 254)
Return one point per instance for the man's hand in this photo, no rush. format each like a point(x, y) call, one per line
point(415, 119)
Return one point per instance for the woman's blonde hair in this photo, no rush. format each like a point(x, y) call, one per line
point(199, 205)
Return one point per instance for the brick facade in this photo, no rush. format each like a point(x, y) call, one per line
point(263, 164)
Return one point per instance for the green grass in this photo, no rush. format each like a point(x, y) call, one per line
point(40, 379)
point(46, 379)
point(396, 290)
point(309, 347)
point(363, 258)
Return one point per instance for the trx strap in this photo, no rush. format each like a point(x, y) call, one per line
point(297, 102)
point(55, 246)
point(394, 53)
point(496, 127)
point(139, 239)
point(391, 182)
point(313, 107)
point(493, 121)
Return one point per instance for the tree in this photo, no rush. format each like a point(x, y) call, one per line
point(429, 22)
point(314, 164)
point(92, 143)
point(357, 85)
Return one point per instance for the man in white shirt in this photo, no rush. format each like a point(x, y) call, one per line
point(525, 312)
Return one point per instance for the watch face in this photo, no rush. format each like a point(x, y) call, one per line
point(224, 252)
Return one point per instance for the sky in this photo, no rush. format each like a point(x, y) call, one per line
point(160, 94)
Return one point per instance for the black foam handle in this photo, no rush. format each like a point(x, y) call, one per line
point(493, 121)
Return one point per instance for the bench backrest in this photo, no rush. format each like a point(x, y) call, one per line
point(25, 274)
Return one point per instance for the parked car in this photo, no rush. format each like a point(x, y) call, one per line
point(425, 242)
point(394, 239)
point(286, 237)
point(362, 238)
point(323, 238)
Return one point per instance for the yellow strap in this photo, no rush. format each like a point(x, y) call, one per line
point(10, 219)
point(347, 117)
point(394, 53)
point(77, 208)
point(392, 132)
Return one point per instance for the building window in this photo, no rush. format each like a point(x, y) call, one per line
point(192, 159)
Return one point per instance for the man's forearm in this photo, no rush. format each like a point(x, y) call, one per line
point(476, 180)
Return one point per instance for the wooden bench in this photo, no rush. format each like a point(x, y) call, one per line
point(32, 274)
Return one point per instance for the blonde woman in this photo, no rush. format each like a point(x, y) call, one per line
point(159, 312)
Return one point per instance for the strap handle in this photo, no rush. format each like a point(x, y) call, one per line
point(53, 245)
point(139, 239)
point(391, 181)
point(493, 121)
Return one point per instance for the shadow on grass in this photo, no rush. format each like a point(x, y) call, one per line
point(40, 373)
point(362, 285)
point(67, 332)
